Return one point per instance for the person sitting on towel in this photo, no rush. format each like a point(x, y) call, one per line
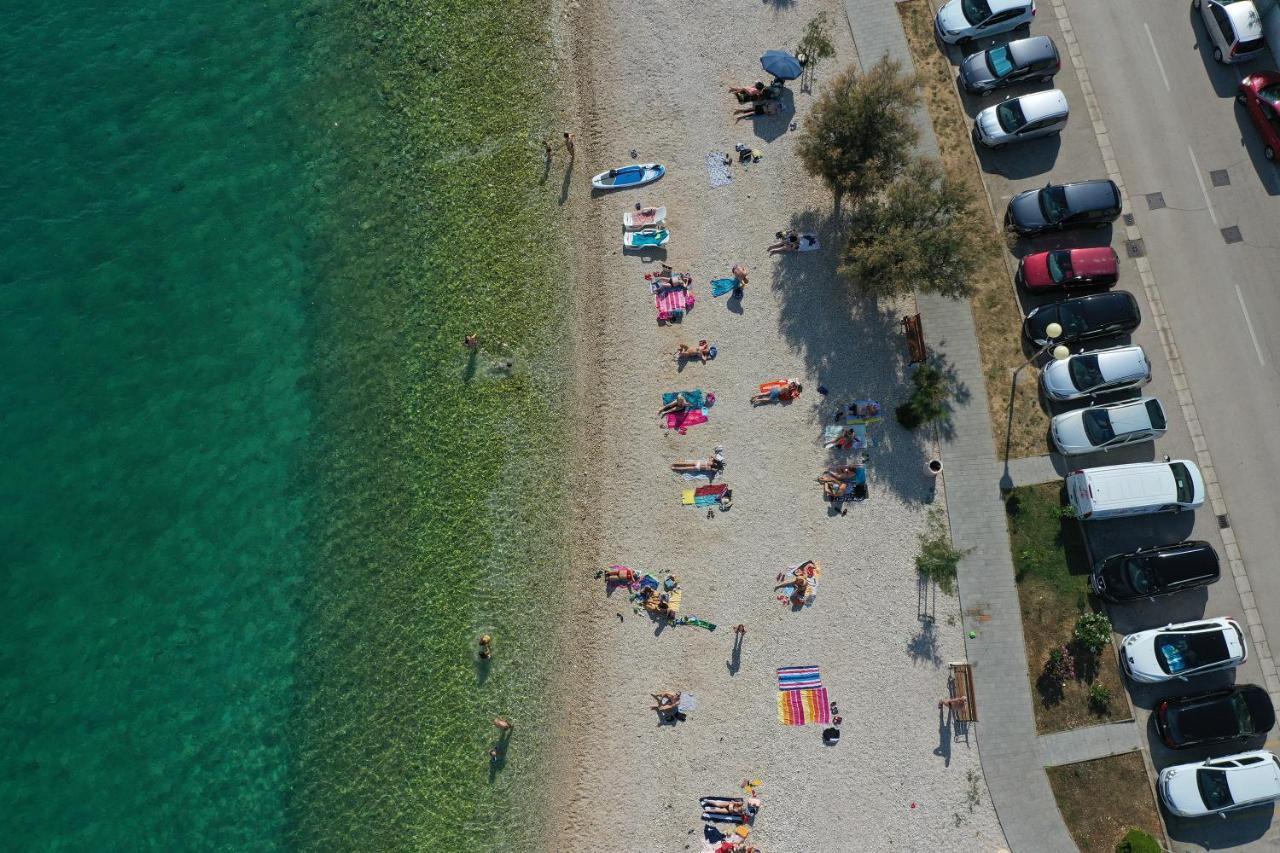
point(788, 241)
point(749, 93)
point(843, 441)
point(701, 351)
point(841, 474)
point(801, 588)
point(787, 392)
point(699, 466)
point(837, 490)
point(679, 404)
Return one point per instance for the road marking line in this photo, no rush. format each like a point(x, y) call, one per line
point(1159, 64)
point(1204, 192)
point(1249, 323)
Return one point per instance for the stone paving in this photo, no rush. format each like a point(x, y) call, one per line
point(1092, 742)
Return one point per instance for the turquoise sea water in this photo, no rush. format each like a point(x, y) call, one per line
point(255, 502)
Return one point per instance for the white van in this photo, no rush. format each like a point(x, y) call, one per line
point(1138, 489)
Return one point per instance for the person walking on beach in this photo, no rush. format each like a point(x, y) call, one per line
point(546, 144)
point(502, 724)
point(486, 647)
point(568, 143)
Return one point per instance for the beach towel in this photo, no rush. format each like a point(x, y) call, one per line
point(687, 418)
point(860, 412)
point(718, 169)
point(695, 398)
point(809, 243)
point(858, 437)
point(798, 677)
point(721, 286)
point(801, 707)
point(673, 302)
point(703, 495)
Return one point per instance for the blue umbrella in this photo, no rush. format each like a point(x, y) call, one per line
point(781, 64)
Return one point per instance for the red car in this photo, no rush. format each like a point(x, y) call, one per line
point(1064, 269)
point(1260, 94)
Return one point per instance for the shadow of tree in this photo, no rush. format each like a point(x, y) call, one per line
point(923, 647)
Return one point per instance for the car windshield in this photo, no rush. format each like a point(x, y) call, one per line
point(975, 11)
point(1010, 116)
point(1053, 203)
point(1097, 425)
point(1059, 266)
point(1214, 790)
point(1182, 479)
point(1244, 719)
point(1270, 94)
point(1084, 372)
point(1156, 414)
point(1182, 652)
point(999, 60)
point(1141, 579)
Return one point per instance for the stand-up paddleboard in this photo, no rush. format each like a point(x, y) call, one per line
point(648, 217)
point(648, 239)
point(635, 175)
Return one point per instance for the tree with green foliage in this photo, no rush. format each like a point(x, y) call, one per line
point(815, 45)
point(938, 557)
point(928, 403)
point(859, 134)
point(922, 233)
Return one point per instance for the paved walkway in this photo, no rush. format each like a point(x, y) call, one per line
point(1034, 469)
point(1084, 744)
point(1008, 746)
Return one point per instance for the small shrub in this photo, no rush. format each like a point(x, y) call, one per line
point(1099, 698)
point(1137, 841)
point(1061, 665)
point(1093, 632)
point(815, 45)
point(938, 557)
point(928, 403)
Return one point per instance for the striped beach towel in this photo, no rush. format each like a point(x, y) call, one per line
point(798, 678)
point(800, 707)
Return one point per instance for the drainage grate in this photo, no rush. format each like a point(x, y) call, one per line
point(1223, 522)
point(1220, 178)
point(1128, 219)
point(1232, 234)
point(1135, 248)
point(1155, 201)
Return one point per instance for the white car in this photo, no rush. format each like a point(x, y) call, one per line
point(1021, 119)
point(1221, 785)
point(1233, 27)
point(1183, 650)
point(1089, 373)
point(962, 21)
point(1108, 427)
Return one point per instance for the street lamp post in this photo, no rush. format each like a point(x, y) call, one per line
point(1053, 331)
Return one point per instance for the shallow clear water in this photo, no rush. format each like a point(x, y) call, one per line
point(255, 503)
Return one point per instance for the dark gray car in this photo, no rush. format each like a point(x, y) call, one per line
point(1059, 207)
point(1008, 64)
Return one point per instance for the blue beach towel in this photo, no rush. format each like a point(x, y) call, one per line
point(694, 398)
point(721, 286)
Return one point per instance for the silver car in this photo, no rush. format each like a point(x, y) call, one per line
point(1020, 119)
point(962, 21)
point(1109, 427)
point(1090, 373)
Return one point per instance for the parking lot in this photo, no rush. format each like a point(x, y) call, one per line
point(1077, 155)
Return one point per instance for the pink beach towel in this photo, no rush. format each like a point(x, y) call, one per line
point(688, 418)
point(673, 302)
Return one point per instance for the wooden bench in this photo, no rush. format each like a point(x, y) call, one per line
point(962, 674)
point(915, 338)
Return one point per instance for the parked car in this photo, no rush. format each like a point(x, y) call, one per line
point(962, 21)
point(1084, 318)
point(1069, 269)
point(1108, 427)
point(1088, 373)
point(1139, 488)
point(1234, 28)
point(1021, 119)
point(1158, 570)
point(1220, 785)
point(1181, 651)
point(1260, 94)
point(1034, 58)
point(1056, 207)
point(1230, 713)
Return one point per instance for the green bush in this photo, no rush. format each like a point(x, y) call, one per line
point(1137, 841)
point(1099, 697)
point(938, 557)
point(928, 402)
point(1093, 632)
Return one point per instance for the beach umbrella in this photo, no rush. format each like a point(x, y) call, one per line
point(781, 64)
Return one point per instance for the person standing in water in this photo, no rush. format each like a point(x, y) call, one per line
point(486, 647)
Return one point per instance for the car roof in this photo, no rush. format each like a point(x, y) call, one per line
point(1094, 260)
point(1082, 194)
point(1130, 416)
point(1120, 361)
point(1244, 19)
point(1255, 781)
point(1185, 560)
point(998, 6)
point(1034, 49)
point(1038, 105)
point(1215, 623)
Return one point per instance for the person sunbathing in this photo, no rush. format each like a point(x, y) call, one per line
point(749, 93)
point(776, 394)
point(699, 466)
point(733, 808)
point(837, 490)
point(843, 441)
point(788, 241)
point(679, 404)
point(841, 474)
point(701, 351)
point(619, 575)
point(668, 700)
point(800, 587)
point(768, 108)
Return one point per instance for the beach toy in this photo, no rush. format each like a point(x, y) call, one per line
point(635, 175)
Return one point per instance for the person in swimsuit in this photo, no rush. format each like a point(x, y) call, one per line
point(749, 93)
point(619, 575)
point(701, 351)
point(732, 808)
point(837, 490)
point(768, 108)
point(787, 392)
point(486, 647)
point(679, 404)
point(788, 241)
point(699, 466)
point(842, 474)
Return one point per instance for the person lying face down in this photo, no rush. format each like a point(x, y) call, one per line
point(702, 351)
point(679, 404)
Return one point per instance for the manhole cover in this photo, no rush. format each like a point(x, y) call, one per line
point(1232, 234)
point(1220, 178)
point(1135, 248)
point(1128, 219)
point(1223, 522)
point(1155, 201)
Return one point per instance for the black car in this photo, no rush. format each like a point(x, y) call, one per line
point(1098, 315)
point(1229, 713)
point(1159, 570)
point(1057, 207)
point(1006, 64)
